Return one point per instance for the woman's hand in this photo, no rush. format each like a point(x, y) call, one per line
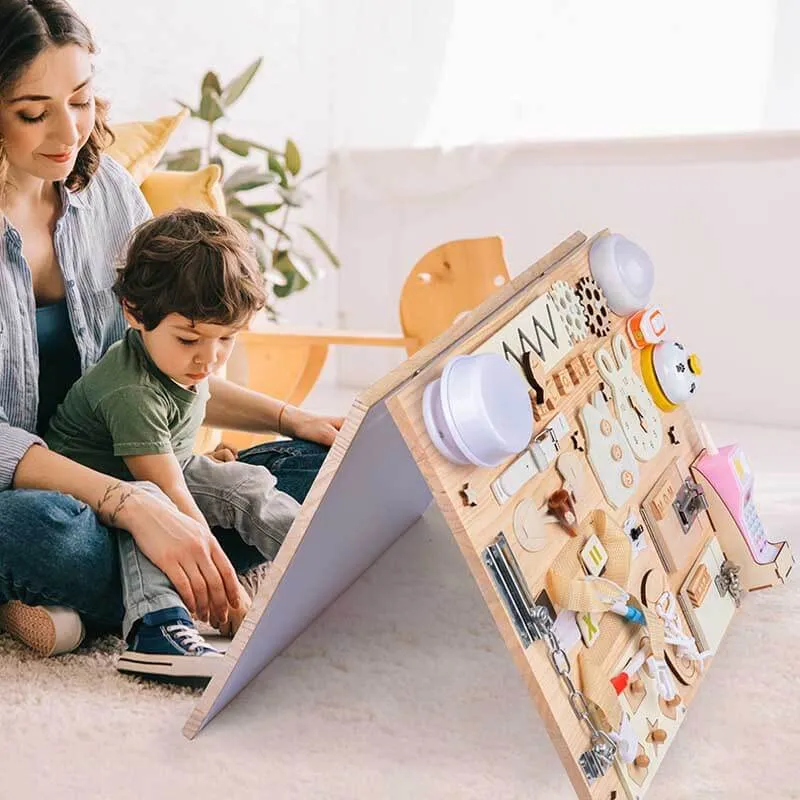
point(185, 550)
point(313, 427)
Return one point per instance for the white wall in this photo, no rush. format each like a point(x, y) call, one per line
point(391, 76)
point(718, 217)
point(343, 74)
point(153, 52)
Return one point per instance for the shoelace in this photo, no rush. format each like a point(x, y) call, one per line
point(188, 637)
point(674, 633)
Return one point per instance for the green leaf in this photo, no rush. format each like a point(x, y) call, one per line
point(305, 266)
point(192, 112)
point(210, 82)
point(294, 280)
point(237, 211)
point(323, 245)
point(264, 148)
point(233, 91)
point(239, 146)
point(293, 161)
point(242, 147)
point(184, 160)
point(264, 257)
point(294, 197)
point(248, 177)
point(276, 167)
point(280, 231)
point(210, 106)
point(262, 209)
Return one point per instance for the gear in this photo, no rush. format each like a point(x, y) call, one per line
point(570, 310)
point(595, 306)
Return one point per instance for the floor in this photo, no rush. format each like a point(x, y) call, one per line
point(403, 689)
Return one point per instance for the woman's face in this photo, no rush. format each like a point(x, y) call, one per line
point(48, 115)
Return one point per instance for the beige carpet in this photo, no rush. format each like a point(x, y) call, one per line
point(403, 690)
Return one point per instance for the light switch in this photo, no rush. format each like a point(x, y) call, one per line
point(514, 477)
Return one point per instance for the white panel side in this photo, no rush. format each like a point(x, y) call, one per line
point(376, 495)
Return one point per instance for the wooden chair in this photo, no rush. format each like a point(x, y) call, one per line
point(446, 282)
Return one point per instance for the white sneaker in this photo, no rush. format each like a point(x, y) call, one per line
point(49, 630)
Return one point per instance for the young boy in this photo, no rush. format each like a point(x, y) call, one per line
point(189, 284)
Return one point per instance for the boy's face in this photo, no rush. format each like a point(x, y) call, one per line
point(186, 352)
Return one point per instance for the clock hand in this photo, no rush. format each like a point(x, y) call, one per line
point(638, 413)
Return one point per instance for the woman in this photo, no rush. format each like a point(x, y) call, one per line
point(65, 214)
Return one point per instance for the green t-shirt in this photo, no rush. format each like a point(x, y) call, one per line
point(125, 406)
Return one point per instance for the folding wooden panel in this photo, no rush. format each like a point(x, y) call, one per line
point(648, 526)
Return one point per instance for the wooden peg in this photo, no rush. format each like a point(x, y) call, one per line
point(637, 686)
point(658, 735)
point(675, 701)
point(641, 761)
point(562, 508)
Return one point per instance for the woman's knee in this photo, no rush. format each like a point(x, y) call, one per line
point(34, 519)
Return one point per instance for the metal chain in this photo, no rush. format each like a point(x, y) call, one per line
point(596, 761)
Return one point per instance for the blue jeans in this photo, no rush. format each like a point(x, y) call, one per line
point(54, 550)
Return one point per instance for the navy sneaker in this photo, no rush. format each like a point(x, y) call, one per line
point(166, 644)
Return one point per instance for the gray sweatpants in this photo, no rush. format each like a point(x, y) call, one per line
point(232, 495)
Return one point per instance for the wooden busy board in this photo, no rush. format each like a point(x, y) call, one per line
point(476, 527)
point(386, 454)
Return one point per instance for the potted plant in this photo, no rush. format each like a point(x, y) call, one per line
point(275, 175)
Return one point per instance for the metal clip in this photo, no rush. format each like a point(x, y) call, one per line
point(597, 761)
point(531, 621)
point(727, 582)
point(690, 502)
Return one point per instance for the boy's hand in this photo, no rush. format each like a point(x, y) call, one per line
point(223, 453)
point(318, 428)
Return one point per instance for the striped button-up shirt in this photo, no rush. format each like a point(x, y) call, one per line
point(90, 236)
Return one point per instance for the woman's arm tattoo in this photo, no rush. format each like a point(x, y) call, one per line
point(124, 494)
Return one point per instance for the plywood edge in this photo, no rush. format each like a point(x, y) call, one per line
point(474, 319)
point(504, 625)
point(341, 445)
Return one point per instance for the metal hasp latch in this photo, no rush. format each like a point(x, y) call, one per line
point(690, 503)
point(511, 586)
point(534, 623)
point(727, 582)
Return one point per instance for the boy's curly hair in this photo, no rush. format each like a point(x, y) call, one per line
point(194, 263)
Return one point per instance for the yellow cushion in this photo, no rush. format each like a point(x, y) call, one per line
point(140, 145)
point(165, 191)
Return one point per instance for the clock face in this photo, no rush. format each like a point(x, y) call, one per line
point(639, 418)
point(637, 413)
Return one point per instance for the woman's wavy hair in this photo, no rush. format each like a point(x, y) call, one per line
point(27, 28)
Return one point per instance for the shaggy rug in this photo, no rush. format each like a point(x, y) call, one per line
point(403, 689)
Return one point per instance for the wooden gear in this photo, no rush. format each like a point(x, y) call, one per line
point(384, 456)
